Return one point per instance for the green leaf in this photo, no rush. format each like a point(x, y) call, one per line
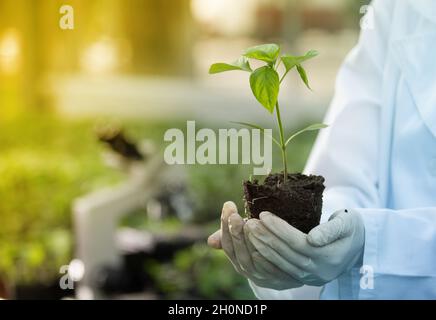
point(255, 126)
point(265, 85)
point(265, 52)
point(313, 127)
point(303, 75)
point(293, 61)
point(240, 64)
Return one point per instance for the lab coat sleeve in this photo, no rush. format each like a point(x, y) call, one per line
point(302, 293)
point(270, 294)
point(399, 254)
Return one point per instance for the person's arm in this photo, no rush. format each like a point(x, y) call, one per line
point(346, 153)
point(399, 253)
point(400, 245)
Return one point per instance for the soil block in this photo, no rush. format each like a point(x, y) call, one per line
point(298, 201)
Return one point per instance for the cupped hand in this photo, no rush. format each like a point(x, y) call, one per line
point(243, 255)
point(317, 258)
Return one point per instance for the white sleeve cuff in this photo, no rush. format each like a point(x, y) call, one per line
point(303, 293)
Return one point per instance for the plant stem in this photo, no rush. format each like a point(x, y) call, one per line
point(282, 143)
point(284, 76)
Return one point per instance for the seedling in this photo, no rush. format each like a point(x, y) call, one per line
point(285, 192)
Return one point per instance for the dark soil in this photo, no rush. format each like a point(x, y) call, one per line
point(298, 201)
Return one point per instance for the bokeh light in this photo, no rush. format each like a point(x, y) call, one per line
point(10, 51)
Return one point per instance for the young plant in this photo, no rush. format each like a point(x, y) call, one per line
point(265, 84)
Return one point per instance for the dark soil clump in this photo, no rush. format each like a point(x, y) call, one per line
point(298, 201)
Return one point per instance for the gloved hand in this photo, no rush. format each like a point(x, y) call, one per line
point(244, 257)
point(329, 249)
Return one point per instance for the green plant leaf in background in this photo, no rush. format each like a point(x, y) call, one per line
point(293, 61)
point(313, 127)
point(240, 64)
point(265, 52)
point(265, 85)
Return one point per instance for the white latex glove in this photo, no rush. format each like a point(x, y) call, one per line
point(329, 249)
point(244, 257)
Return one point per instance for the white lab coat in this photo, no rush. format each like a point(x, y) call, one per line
point(379, 156)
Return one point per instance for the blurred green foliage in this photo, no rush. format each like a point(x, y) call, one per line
point(200, 272)
point(44, 164)
point(47, 161)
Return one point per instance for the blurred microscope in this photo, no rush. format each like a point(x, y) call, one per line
point(109, 260)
